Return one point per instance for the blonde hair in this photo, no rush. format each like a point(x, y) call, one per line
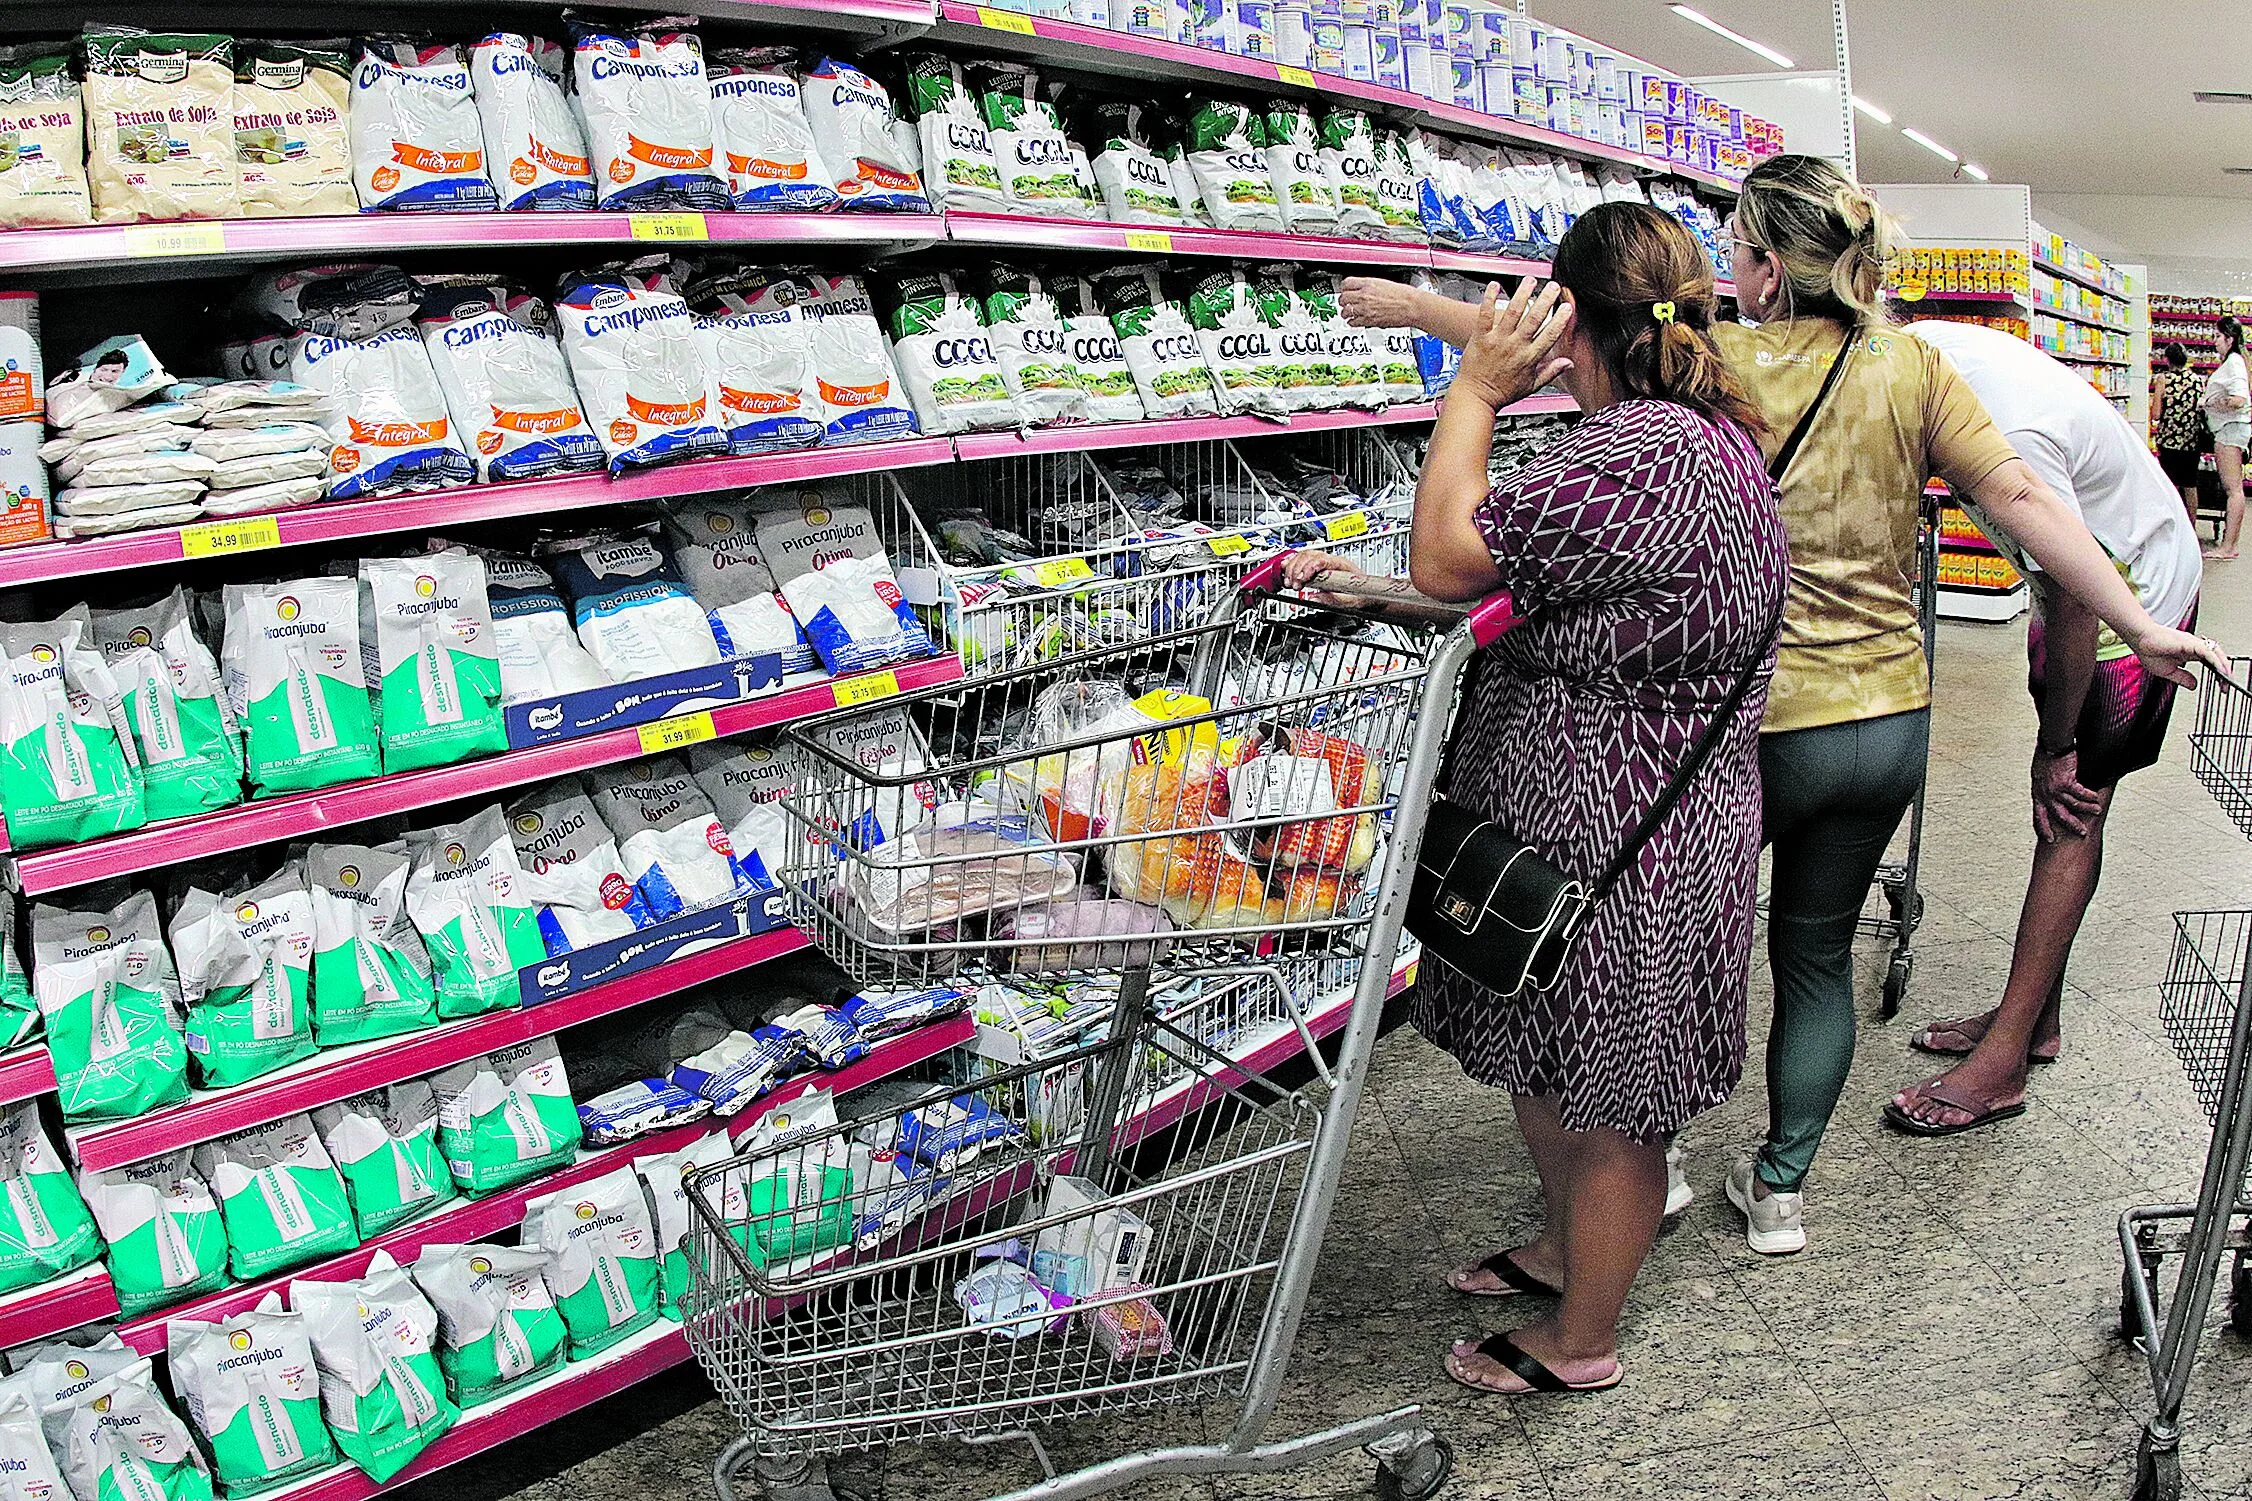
point(1831, 237)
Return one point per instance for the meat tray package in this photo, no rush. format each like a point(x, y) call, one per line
point(883, 743)
point(122, 1440)
point(1136, 183)
point(970, 862)
point(160, 116)
point(297, 684)
point(1158, 341)
point(715, 543)
point(111, 1004)
point(385, 1146)
point(279, 1193)
point(246, 963)
point(673, 845)
point(759, 347)
point(374, 1339)
point(960, 170)
point(43, 173)
point(666, 1176)
point(1225, 145)
point(68, 769)
point(633, 612)
point(45, 1230)
point(498, 1327)
point(506, 1116)
point(1040, 167)
point(601, 1258)
point(747, 785)
point(573, 875)
point(28, 1470)
point(1025, 327)
point(641, 94)
point(253, 1392)
point(838, 580)
point(19, 1013)
point(166, 1240)
point(759, 127)
point(856, 136)
point(1351, 160)
point(416, 139)
point(428, 633)
point(291, 138)
point(1105, 378)
point(507, 384)
point(540, 654)
point(535, 150)
point(390, 431)
point(861, 400)
point(465, 893)
point(944, 357)
point(639, 365)
point(1239, 341)
point(371, 972)
point(1303, 189)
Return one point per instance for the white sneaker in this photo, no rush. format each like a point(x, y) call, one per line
point(1679, 1195)
point(1773, 1226)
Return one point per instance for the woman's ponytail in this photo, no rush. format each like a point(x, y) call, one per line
point(1829, 233)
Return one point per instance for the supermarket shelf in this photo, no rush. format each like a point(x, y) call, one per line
point(344, 520)
point(25, 1073)
point(2071, 358)
point(35, 1313)
point(2014, 299)
point(2081, 318)
point(1957, 602)
point(1070, 234)
point(1001, 445)
point(1949, 542)
point(2091, 283)
point(1486, 265)
point(1476, 122)
point(308, 813)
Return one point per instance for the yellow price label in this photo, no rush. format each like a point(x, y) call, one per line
point(175, 239)
point(866, 689)
point(244, 534)
point(1060, 571)
point(1298, 76)
point(1407, 977)
point(1909, 291)
point(1149, 239)
point(1351, 524)
point(1004, 20)
point(668, 227)
point(1227, 547)
point(679, 730)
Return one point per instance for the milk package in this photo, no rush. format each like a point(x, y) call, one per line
point(1159, 343)
point(944, 357)
point(715, 544)
point(122, 1440)
point(759, 348)
point(506, 382)
point(1025, 327)
point(855, 135)
point(1043, 171)
point(506, 1116)
point(465, 894)
point(540, 654)
point(371, 971)
point(68, 770)
point(673, 846)
point(55, 1379)
point(390, 430)
point(666, 1176)
point(189, 747)
point(1106, 380)
point(535, 151)
point(385, 1146)
point(640, 92)
point(374, 1339)
point(1240, 342)
point(416, 139)
point(634, 614)
point(43, 178)
point(760, 129)
point(959, 167)
point(639, 364)
point(280, 1196)
point(1225, 149)
point(426, 632)
point(111, 1005)
point(45, 1230)
point(602, 1257)
point(252, 1391)
point(245, 963)
point(861, 399)
point(838, 580)
point(167, 1242)
point(1303, 188)
point(572, 872)
point(296, 682)
point(1136, 182)
point(747, 785)
point(28, 1471)
point(19, 1013)
point(497, 1322)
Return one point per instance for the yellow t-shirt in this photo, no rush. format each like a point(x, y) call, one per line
point(1852, 648)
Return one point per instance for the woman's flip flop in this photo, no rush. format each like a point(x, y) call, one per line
point(1981, 1113)
point(1515, 1280)
point(1505, 1352)
point(1926, 1040)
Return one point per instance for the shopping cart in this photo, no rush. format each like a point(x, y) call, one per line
point(903, 1275)
point(2205, 1003)
point(1903, 895)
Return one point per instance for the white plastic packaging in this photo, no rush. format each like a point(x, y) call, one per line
point(641, 94)
point(671, 842)
point(573, 875)
point(416, 141)
point(855, 136)
point(639, 365)
point(634, 614)
point(391, 432)
point(759, 128)
point(860, 396)
point(944, 357)
point(759, 347)
point(507, 384)
point(535, 151)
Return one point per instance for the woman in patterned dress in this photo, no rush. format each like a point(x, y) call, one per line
point(1646, 548)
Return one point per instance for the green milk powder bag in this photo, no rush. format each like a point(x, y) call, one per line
point(298, 685)
point(44, 1227)
point(371, 969)
point(465, 892)
point(497, 1323)
point(385, 1143)
point(246, 966)
point(280, 1196)
point(427, 631)
point(124, 1444)
point(19, 1013)
point(602, 1258)
point(375, 1341)
point(506, 1116)
point(111, 1004)
point(190, 749)
point(254, 1395)
point(665, 1175)
point(67, 768)
point(166, 1240)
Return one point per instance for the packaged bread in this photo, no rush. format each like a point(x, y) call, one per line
point(160, 125)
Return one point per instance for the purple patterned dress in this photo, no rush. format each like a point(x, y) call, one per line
point(1648, 550)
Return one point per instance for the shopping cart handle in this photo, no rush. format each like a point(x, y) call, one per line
point(1381, 597)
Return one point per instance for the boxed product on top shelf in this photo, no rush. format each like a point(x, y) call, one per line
point(2063, 254)
point(2000, 271)
point(2064, 296)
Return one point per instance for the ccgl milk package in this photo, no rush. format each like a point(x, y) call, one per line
point(1241, 345)
point(371, 972)
point(602, 1258)
point(190, 749)
point(715, 543)
point(671, 841)
point(1303, 188)
point(861, 400)
point(1105, 377)
point(252, 1390)
point(1159, 342)
point(297, 683)
point(633, 612)
point(639, 365)
point(760, 350)
point(640, 91)
point(506, 382)
point(837, 579)
point(855, 136)
point(245, 962)
point(572, 872)
point(111, 1004)
point(1226, 144)
point(944, 356)
point(764, 140)
point(1042, 171)
point(68, 771)
point(747, 785)
point(436, 664)
point(465, 894)
point(1027, 332)
point(374, 1338)
point(167, 1242)
point(1136, 183)
point(959, 167)
point(535, 151)
point(416, 139)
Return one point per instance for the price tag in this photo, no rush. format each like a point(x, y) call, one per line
point(1227, 547)
point(1004, 20)
point(1415, 967)
point(1351, 524)
point(866, 689)
point(668, 227)
point(175, 239)
point(679, 730)
point(244, 534)
point(1060, 571)
point(1149, 239)
point(1909, 291)
point(1298, 76)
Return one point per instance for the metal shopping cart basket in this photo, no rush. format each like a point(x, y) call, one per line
point(1065, 1238)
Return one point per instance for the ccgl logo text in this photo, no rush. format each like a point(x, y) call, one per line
point(1243, 346)
point(963, 351)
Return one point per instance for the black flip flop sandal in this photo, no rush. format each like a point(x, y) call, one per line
point(1980, 1113)
point(1917, 1041)
point(1516, 1281)
point(1504, 1351)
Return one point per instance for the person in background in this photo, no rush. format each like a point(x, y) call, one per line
point(2228, 412)
point(2177, 423)
point(2102, 715)
point(1646, 554)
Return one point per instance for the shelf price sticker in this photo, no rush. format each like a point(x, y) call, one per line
point(866, 689)
point(1004, 20)
point(1351, 524)
point(677, 731)
point(175, 239)
point(207, 539)
point(681, 226)
point(1149, 239)
point(1910, 291)
point(1057, 572)
point(1298, 76)
point(1228, 547)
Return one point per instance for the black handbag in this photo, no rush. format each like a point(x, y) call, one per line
point(1491, 905)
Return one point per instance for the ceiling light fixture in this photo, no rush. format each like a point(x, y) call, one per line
point(2208, 96)
point(1699, 18)
point(1928, 143)
point(1871, 110)
point(1976, 171)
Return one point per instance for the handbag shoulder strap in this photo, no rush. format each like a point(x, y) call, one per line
point(1781, 464)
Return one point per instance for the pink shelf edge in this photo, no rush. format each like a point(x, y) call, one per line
point(974, 446)
point(35, 1313)
point(26, 1073)
point(1186, 239)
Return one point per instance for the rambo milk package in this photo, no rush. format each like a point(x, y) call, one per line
point(1136, 183)
point(672, 843)
point(747, 785)
point(601, 1258)
point(959, 167)
point(385, 1146)
point(715, 543)
point(166, 1240)
point(535, 151)
point(371, 971)
point(190, 749)
point(374, 1339)
point(297, 683)
point(506, 1116)
point(246, 962)
point(838, 580)
point(1042, 172)
point(292, 142)
point(389, 428)
point(280, 1196)
point(68, 771)
point(123, 1440)
point(666, 1175)
point(856, 137)
point(111, 1004)
point(633, 612)
point(1026, 329)
point(427, 631)
point(572, 874)
point(759, 347)
point(759, 127)
point(465, 893)
point(507, 385)
point(45, 1230)
point(1158, 341)
point(1226, 144)
point(640, 91)
point(861, 399)
point(253, 1392)
point(944, 357)
point(497, 1323)
point(1303, 189)
point(639, 365)
point(416, 141)
point(540, 654)
point(1241, 345)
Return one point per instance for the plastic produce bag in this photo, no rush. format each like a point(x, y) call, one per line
point(639, 365)
point(760, 350)
point(189, 748)
point(1240, 343)
point(534, 149)
point(1226, 142)
point(19, 1013)
point(68, 771)
point(245, 970)
point(573, 876)
point(296, 683)
point(167, 1242)
point(507, 384)
point(371, 972)
point(1136, 183)
point(280, 1195)
point(498, 1326)
point(855, 137)
point(123, 1441)
point(540, 654)
point(641, 93)
point(602, 1258)
point(1105, 378)
point(633, 612)
point(438, 670)
point(374, 1339)
point(111, 1004)
point(1159, 343)
point(759, 127)
point(959, 167)
point(747, 785)
point(666, 1174)
point(43, 173)
point(838, 581)
point(1037, 161)
point(251, 1389)
point(291, 141)
point(465, 894)
point(385, 1146)
point(861, 400)
point(1303, 189)
point(1026, 329)
point(673, 845)
point(506, 1116)
point(44, 1227)
point(160, 116)
point(715, 543)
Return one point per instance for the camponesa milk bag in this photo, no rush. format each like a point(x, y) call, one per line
point(389, 428)
point(540, 654)
point(166, 1240)
point(497, 1323)
point(715, 543)
point(385, 1146)
point(506, 1116)
point(747, 785)
point(45, 1230)
point(959, 168)
point(535, 152)
point(416, 141)
point(428, 632)
point(465, 893)
point(68, 771)
point(279, 1193)
point(297, 684)
point(639, 365)
point(759, 126)
point(601, 1258)
point(640, 92)
point(666, 1175)
point(374, 1339)
point(1104, 375)
point(1159, 342)
point(573, 876)
point(861, 401)
point(506, 381)
point(371, 972)
point(1026, 329)
point(190, 749)
point(122, 1440)
point(855, 135)
point(111, 1004)
point(252, 1391)
point(634, 614)
point(760, 350)
point(944, 357)
point(838, 580)
point(245, 963)
point(672, 844)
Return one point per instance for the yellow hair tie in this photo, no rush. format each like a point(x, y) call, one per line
point(1662, 311)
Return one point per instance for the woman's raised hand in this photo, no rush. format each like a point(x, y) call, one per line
point(1378, 302)
point(1514, 352)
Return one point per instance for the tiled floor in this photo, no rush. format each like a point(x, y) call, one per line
point(1949, 1333)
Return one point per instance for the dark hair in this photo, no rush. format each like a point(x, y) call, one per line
point(1620, 262)
point(2232, 332)
point(2176, 356)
